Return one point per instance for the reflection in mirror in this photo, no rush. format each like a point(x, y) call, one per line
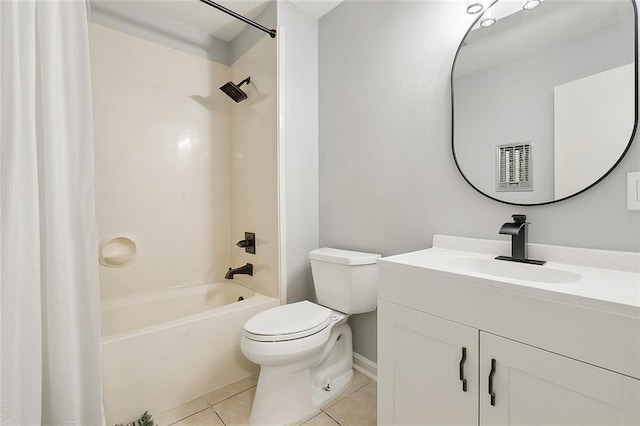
point(544, 100)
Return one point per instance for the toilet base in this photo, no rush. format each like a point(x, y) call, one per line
point(287, 394)
point(320, 397)
point(288, 408)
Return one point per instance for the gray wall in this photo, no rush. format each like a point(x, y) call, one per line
point(387, 178)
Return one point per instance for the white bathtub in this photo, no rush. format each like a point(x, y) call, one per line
point(165, 348)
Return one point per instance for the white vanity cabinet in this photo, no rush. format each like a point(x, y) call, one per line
point(536, 387)
point(419, 360)
point(421, 371)
point(554, 353)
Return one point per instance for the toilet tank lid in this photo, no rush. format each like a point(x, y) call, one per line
point(345, 257)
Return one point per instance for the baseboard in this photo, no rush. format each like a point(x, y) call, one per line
point(365, 366)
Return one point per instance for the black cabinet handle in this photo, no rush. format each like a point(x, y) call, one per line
point(464, 358)
point(491, 373)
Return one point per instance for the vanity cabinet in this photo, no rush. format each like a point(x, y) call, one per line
point(419, 360)
point(422, 373)
point(560, 343)
point(536, 387)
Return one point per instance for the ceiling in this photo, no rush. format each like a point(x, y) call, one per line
point(316, 8)
point(207, 19)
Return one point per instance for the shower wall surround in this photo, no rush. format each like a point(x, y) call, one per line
point(388, 181)
point(162, 162)
point(164, 137)
point(254, 191)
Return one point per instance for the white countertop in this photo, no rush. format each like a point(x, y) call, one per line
point(605, 280)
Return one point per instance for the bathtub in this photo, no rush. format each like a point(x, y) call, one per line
point(168, 347)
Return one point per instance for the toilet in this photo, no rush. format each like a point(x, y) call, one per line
point(304, 349)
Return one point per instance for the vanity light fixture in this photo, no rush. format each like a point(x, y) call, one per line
point(489, 18)
point(475, 6)
point(530, 4)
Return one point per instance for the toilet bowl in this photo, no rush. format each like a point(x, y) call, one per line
point(304, 349)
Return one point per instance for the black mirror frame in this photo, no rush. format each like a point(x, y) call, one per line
point(633, 132)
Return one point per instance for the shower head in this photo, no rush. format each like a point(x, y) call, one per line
point(234, 91)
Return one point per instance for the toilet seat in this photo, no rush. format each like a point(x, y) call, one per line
point(288, 322)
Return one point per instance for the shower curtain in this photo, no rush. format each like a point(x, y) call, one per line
point(50, 368)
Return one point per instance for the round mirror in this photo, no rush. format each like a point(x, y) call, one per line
point(545, 99)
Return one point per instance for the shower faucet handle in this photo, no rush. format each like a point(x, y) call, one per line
point(249, 242)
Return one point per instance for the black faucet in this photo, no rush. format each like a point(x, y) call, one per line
point(246, 270)
point(518, 231)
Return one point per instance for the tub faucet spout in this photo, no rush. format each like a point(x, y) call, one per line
point(246, 270)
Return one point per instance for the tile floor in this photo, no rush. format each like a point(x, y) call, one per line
point(231, 405)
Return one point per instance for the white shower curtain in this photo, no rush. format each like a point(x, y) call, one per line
point(50, 370)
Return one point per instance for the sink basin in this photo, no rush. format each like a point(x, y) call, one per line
point(512, 270)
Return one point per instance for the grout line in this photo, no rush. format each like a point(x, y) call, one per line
point(370, 381)
point(367, 383)
point(344, 396)
point(229, 397)
point(221, 419)
point(331, 417)
point(192, 414)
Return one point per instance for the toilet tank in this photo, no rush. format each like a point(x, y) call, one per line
point(346, 281)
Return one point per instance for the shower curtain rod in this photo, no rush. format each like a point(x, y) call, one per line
point(272, 33)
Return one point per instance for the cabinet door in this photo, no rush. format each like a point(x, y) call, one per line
point(536, 387)
point(419, 358)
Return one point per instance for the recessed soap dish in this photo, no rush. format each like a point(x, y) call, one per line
point(117, 251)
